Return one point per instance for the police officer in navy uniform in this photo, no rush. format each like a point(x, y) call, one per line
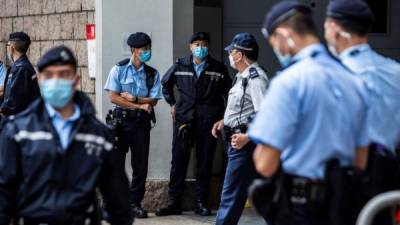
point(55, 154)
point(313, 115)
point(346, 30)
point(244, 101)
point(134, 88)
point(202, 84)
point(21, 87)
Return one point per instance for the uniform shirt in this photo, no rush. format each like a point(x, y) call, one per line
point(314, 111)
point(198, 68)
point(253, 97)
point(125, 78)
point(3, 73)
point(382, 76)
point(21, 87)
point(63, 126)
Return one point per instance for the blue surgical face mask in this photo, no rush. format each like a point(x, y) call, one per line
point(145, 56)
point(200, 52)
point(56, 92)
point(284, 60)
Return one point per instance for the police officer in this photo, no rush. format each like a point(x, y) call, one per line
point(56, 154)
point(314, 112)
point(134, 88)
point(346, 31)
point(203, 84)
point(21, 87)
point(3, 74)
point(244, 101)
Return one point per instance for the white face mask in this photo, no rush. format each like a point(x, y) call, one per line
point(332, 46)
point(232, 62)
point(9, 57)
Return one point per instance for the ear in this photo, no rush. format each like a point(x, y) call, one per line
point(335, 27)
point(77, 80)
point(282, 31)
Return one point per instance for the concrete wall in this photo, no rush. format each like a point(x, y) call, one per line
point(169, 22)
point(50, 23)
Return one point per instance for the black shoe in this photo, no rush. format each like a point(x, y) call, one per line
point(139, 212)
point(171, 209)
point(202, 209)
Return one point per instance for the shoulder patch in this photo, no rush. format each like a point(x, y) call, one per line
point(253, 73)
point(355, 52)
point(123, 62)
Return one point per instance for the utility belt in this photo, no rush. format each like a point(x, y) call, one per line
point(130, 114)
point(228, 131)
point(302, 190)
point(323, 199)
point(116, 117)
point(273, 197)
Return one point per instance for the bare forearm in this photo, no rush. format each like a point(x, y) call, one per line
point(150, 101)
point(119, 101)
point(361, 159)
point(266, 160)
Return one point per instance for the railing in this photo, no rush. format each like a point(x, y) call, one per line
point(377, 204)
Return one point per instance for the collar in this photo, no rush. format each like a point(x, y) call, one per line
point(141, 68)
point(309, 51)
point(20, 59)
point(54, 114)
point(188, 61)
point(354, 50)
point(201, 64)
point(246, 72)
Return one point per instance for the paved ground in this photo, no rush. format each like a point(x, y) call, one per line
point(188, 218)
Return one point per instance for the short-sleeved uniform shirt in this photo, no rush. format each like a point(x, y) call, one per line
point(314, 111)
point(3, 73)
point(238, 112)
point(125, 78)
point(382, 76)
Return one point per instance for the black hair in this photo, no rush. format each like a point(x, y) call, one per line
point(357, 27)
point(302, 23)
point(252, 55)
point(21, 46)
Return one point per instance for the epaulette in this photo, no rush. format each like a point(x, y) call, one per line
point(253, 73)
point(124, 62)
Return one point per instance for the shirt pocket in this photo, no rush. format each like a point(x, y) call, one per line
point(233, 100)
point(142, 87)
point(127, 85)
